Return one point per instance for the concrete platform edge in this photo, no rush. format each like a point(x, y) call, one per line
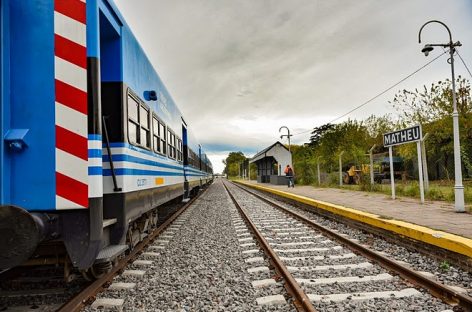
point(420, 233)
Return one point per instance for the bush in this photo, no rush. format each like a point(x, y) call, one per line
point(435, 194)
point(333, 178)
point(364, 184)
point(412, 189)
point(399, 188)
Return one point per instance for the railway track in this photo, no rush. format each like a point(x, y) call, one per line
point(48, 292)
point(146, 249)
point(324, 270)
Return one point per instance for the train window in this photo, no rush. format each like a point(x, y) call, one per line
point(133, 132)
point(179, 149)
point(155, 134)
point(145, 131)
point(133, 120)
point(133, 109)
point(159, 137)
point(144, 117)
point(171, 144)
point(138, 122)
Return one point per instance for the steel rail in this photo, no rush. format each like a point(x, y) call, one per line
point(439, 290)
point(301, 302)
point(83, 298)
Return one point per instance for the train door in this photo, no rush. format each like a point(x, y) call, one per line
point(200, 164)
point(111, 90)
point(2, 92)
point(185, 160)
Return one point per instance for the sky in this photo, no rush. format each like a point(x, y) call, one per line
point(240, 69)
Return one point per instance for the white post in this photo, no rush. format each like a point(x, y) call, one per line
point(341, 168)
point(459, 205)
point(392, 178)
point(371, 164)
point(318, 168)
point(248, 171)
point(425, 162)
point(420, 171)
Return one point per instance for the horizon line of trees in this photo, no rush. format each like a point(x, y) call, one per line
point(430, 106)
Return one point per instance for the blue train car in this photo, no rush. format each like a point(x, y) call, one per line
point(93, 141)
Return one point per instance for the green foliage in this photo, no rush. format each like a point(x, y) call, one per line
point(432, 108)
point(318, 133)
point(364, 184)
point(444, 266)
point(350, 136)
point(435, 194)
point(411, 189)
point(304, 164)
point(232, 163)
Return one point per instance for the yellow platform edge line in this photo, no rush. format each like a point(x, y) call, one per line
point(424, 234)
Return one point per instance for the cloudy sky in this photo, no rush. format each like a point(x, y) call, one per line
point(241, 69)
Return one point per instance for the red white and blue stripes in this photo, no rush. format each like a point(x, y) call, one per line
point(72, 182)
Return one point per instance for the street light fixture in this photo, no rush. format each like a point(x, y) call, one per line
point(288, 135)
point(458, 186)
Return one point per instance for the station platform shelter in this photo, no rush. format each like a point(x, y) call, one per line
point(271, 162)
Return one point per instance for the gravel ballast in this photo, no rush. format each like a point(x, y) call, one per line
point(444, 272)
point(420, 302)
point(202, 267)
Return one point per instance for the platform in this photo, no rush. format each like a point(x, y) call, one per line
point(434, 222)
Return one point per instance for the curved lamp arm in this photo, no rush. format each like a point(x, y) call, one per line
point(288, 130)
point(434, 21)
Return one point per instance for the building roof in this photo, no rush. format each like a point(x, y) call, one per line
point(263, 153)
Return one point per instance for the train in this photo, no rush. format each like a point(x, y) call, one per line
point(93, 145)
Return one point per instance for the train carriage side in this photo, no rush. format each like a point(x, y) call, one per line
point(50, 129)
point(92, 139)
point(143, 158)
point(199, 171)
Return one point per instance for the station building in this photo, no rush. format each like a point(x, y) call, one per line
point(271, 162)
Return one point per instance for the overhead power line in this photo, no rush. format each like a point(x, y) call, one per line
point(465, 65)
point(381, 93)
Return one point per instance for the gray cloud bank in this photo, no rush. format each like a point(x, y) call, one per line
point(241, 69)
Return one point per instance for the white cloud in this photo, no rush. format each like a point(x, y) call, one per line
point(217, 161)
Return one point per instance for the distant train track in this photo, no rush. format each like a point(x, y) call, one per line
point(270, 225)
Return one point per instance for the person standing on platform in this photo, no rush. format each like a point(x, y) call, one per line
point(289, 174)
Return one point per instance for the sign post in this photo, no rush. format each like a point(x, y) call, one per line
point(425, 162)
point(420, 170)
point(407, 135)
point(341, 168)
point(371, 156)
point(392, 175)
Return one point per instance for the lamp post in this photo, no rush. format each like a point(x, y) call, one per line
point(458, 187)
point(288, 135)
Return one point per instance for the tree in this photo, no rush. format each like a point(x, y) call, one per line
point(376, 127)
point(304, 163)
point(317, 134)
point(432, 108)
point(350, 136)
point(232, 163)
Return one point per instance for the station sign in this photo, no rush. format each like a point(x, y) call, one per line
point(407, 135)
